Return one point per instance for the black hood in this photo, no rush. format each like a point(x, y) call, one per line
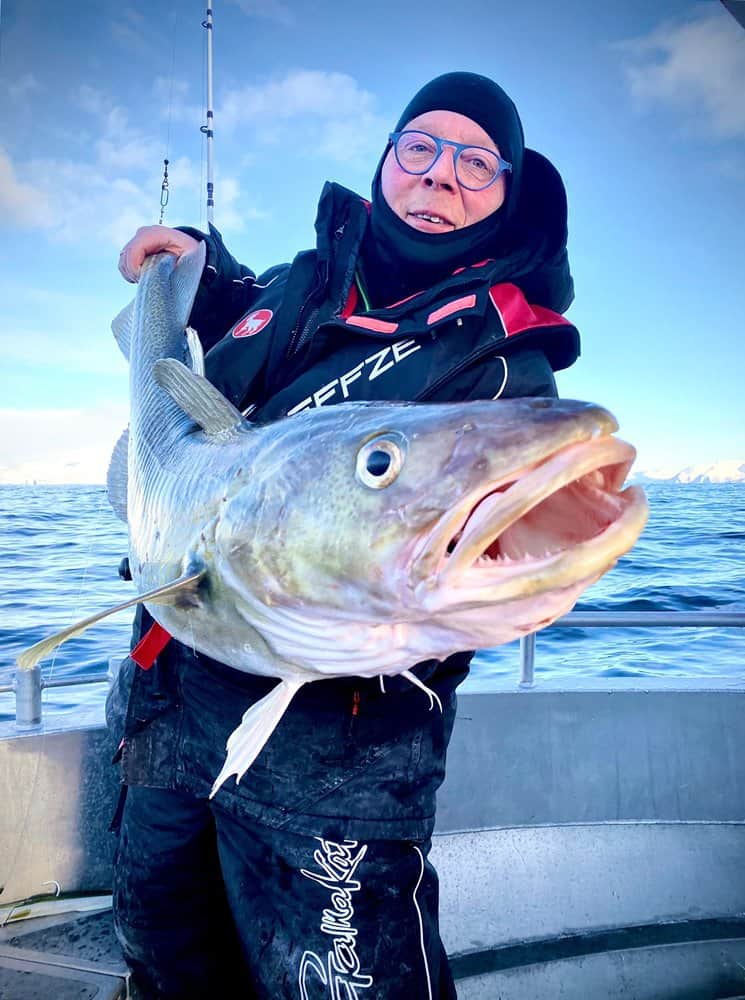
point(526, 235)
point(531, 249)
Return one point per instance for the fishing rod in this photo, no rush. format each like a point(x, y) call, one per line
point(208, 129)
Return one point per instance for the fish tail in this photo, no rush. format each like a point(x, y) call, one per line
point(247, 741)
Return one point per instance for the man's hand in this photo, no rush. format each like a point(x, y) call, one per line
point(149, 240)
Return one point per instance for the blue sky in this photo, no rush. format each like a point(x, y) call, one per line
point(639, 106)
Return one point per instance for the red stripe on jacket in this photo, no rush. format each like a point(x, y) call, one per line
point(515, 313)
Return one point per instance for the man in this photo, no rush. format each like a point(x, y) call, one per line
point(448, 285)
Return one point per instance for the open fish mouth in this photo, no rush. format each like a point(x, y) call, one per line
point(550, 525)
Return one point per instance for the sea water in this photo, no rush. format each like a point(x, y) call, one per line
point(60, 547)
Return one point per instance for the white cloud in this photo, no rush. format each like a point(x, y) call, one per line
point(21, 203)
point(91, 99)
point(233, 212)
point(302, 92)
point(120, 145)
point(696, 67)
point(25, 84)
point(85, 202)
point(325, 113)
point(59, 446)
point(171, 97)
point(129, 29)
point(107, 200)
point(104, 199)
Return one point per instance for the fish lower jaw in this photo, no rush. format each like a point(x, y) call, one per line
point(479, 624)
point(495, 580)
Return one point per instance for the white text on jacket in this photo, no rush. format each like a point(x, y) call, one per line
point(374, 366)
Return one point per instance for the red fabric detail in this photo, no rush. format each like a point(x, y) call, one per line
point(517, 316)
point(480, 263)
point(465, 302)
point(151, 645)
point(376, 325)
point(401, 301)
point(367, 204)
point(350, 303)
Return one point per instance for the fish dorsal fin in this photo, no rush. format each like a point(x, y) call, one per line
point(185, 279)
point(116, 477)
point(196, 352)
point(197, 397)
point(172, 593)
point(121, 327)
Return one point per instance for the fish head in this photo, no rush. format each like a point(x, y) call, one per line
point(484, 520)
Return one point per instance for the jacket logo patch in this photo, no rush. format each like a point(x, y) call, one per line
point(252, 324)
point(368, 370)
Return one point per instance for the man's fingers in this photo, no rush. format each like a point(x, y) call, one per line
point(149, 240)
point(125, 267)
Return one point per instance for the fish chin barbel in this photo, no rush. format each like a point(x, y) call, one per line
point(353, 540)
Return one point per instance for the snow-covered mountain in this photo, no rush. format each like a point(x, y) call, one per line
point(727, 471)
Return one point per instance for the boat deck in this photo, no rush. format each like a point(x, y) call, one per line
point(590, 845)
point(67, 957)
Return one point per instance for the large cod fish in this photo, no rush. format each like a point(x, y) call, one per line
point(357, 539)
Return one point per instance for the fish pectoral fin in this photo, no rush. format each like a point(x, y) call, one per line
point(197, 397)
point(117, 476)
point(432, 695)
point(247, 741)
point(177, 591)
point(171, 593)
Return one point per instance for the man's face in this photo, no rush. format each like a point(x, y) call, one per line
point(437, 193)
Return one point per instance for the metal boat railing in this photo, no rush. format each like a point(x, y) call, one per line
point(29, 684)
point(626, 619)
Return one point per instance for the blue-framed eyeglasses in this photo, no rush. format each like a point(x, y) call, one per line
point(475, 166)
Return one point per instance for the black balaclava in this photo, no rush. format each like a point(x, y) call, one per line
point(398, 259)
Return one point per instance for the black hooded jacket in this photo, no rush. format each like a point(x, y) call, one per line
point(299, 336)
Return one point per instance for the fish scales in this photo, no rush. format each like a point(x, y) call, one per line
point(357, 539)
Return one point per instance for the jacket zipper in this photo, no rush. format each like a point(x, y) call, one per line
point(319, 282)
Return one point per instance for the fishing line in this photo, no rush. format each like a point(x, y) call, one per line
point(164, 190)
point(48, 673)
point(87, 560)
point(32, 782)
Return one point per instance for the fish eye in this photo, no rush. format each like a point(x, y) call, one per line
point(379, 462)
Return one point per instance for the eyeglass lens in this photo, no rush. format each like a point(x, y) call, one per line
point(474, 167)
